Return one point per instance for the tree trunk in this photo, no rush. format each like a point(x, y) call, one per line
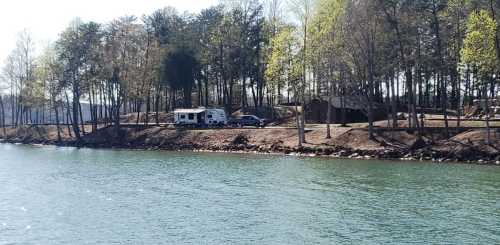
point(56, 110)
point(394, 105)
point(74, 122)
point(148, 108)
point(297, 120)
point(157, 105)
point(117, 111)
point(303, 120)
point(2, 113)
point(445, 107)
point(91, 108)
point(206, 88)
point(302, 134)
point(68, 115)
point(82, 120)
point(487, 117)
point(371, 64)
point(343, 110)
point(138, 117)
point(76, 127)
point(329, 113)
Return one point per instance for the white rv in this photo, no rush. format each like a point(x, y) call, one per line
point(200, 117)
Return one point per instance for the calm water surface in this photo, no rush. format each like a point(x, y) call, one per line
point(52, 195)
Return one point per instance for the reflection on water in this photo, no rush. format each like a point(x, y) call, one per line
point(52, 195)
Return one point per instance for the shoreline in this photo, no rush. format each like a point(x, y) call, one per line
point(293, 154)
point(241, 143)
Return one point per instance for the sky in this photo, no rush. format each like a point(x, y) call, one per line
point(45, 19)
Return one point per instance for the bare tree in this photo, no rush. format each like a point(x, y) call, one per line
point(303, 9)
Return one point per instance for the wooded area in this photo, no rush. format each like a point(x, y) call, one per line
point(247, 53)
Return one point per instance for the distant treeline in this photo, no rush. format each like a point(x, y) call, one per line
point(241, 53)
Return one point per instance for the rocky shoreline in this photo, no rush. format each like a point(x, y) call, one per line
point(238, 142)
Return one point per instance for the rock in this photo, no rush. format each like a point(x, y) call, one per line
point(418, 144)
point(240, 140)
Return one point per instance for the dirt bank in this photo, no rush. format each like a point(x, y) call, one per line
point(345, 142)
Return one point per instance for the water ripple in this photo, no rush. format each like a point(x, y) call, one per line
point(55, 195)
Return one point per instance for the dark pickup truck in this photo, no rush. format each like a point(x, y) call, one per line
point(247, 120)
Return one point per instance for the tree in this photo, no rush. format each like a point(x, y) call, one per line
point(49, 72)
point(303, 11)
point(327, 42)
point(479, 52)
point(398, 15)
point(74, 49)
point(280, 60)
point(364, 28)
point(121, 48)
point(243, 53)
point(208, 22)
point(19, 70)
point(2, 114)
point(179, 69)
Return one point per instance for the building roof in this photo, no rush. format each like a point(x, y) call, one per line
point(195, 110)
point(351, 102)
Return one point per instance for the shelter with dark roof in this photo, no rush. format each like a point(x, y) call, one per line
point(356, 110)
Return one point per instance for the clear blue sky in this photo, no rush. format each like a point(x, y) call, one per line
point(45, 19)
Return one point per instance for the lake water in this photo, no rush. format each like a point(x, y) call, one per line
point(52, 195)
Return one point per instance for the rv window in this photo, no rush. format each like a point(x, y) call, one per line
point(191, 116)
point(183, 116)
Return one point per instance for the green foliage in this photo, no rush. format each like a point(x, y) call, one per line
point(76, 50)
point(327, 20)
point(282, 63)
point(479, 44)
point(229, 53)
